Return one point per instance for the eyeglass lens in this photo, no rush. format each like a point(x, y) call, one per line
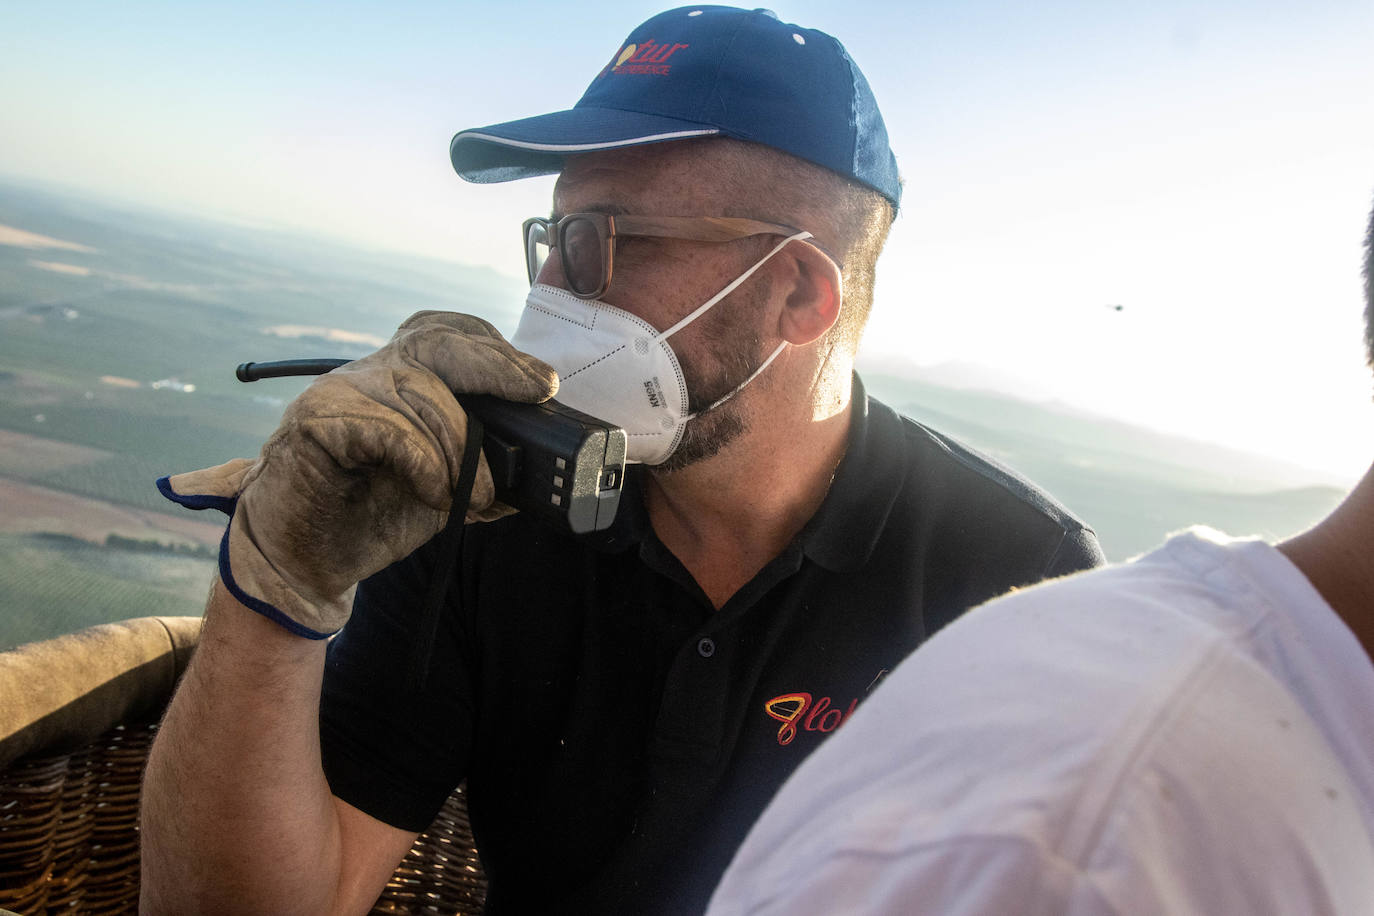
point(536, 247)
point(579, 248)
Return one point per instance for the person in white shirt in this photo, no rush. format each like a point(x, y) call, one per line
point(1190, 732)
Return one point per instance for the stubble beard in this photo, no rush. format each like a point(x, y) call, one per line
point(705, 436)
point(736, 349)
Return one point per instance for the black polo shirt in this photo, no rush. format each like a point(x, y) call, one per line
point(619, 735)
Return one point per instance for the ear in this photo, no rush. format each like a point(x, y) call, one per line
point(813, 297)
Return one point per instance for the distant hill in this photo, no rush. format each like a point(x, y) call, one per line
point(1133, 485)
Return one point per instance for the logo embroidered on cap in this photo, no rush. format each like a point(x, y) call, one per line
point(650, 57)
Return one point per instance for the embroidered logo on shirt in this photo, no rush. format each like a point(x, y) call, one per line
point(798, 711)
point(801, 711)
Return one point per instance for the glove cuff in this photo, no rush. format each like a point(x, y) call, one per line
point(245, 570)
point(257, 605)
point(224, 504)
point(255, 582)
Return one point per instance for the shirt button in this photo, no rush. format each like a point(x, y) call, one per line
point(706, 648)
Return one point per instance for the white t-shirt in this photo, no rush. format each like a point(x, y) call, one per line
point(1192, 732)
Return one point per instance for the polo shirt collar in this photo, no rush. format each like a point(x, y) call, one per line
point(845, 529)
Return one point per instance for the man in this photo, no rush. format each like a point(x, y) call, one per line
point(623, 704)
point(1192, 732)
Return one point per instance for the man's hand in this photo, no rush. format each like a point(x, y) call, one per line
point(362, 469)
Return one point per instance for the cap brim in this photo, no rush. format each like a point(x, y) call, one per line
point(537, 146)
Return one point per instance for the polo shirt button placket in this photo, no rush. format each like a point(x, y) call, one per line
point(706, 647)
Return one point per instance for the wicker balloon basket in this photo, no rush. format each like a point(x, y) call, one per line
point(71, 766)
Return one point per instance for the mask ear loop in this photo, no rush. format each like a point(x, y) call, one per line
point(736, 390)
point(697, 313)
point(702, 309)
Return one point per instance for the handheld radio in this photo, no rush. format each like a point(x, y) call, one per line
point(546, 459)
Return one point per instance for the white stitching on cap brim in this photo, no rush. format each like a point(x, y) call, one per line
point(577, 147)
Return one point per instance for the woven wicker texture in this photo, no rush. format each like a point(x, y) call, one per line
point(441, 873)
point(69, 837)
point(69, 828)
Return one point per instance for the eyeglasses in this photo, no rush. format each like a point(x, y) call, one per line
point(586, 241)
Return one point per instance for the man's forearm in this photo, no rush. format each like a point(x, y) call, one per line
point(237, 814)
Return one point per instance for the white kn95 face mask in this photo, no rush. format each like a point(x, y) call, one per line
point(618, 367)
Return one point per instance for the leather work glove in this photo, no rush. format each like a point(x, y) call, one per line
point(361, 470)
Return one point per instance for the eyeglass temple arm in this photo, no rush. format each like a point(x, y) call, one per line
point(697, 228)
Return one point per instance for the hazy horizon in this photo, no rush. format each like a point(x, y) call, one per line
point(956, 376)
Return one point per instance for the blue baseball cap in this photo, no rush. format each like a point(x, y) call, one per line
point(702, 71)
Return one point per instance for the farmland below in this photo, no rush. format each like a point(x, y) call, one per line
point(119, 334)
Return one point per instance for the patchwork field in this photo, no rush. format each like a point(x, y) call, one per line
point(31, 509)
point(52, 584)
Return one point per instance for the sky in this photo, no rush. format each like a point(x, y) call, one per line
point(1208, 168)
